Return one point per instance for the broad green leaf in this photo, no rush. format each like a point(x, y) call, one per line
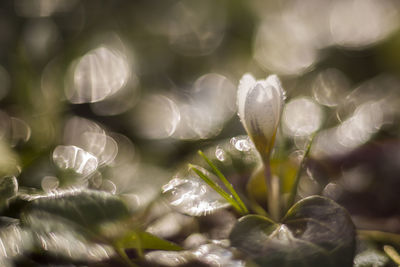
point(316, 231)
point(63, 240)
point(204, 255)
point(144, 240)
point(14, 240)
point(70, 246)
point(87, 208)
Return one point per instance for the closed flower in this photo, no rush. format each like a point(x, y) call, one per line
point(260, 104)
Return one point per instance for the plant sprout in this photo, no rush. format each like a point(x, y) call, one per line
point(260, 105)
point(315, 230)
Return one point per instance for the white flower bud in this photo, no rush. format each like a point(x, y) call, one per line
point(260, 106)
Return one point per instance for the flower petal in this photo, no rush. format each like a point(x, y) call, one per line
point(260, 106)
point(245, 84)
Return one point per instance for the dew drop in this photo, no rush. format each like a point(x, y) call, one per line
point(242, 143)
point(220, 154)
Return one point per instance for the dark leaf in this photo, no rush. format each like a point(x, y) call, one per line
point(86, 208)
point(204, 255)
point(71, 246)
point(14, 240)
point(315, 232)
point(61, 239)
point(15, 206)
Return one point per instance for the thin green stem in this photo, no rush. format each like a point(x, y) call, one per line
point(273, 192)
point(121, 252)
point(293, 192)
point(227, 184)
point(392, 253)
point(218, 189)
point(380, 236)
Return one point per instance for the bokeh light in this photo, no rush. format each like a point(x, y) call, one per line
point(13, 130)
point(289, 41)
point(98, 74)
point(158, 116)
point(211, 102)
point(301, 117)
point(50, 183)
point(40, 38)
point(75, 158)
point(196, 28)
point(284, 46)
point(199, 114)
point(359, 23)
point(330, 87)
point(42, 8)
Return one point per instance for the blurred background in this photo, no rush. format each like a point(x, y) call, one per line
point(120, 91)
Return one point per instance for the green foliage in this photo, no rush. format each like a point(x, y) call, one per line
point(79, 225)
point(315, 232)
point(145, 240)
point(86, 208)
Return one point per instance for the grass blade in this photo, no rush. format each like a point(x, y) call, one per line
point(227, 184)
point(392, 253)
point(293, 192)
point(217, 188)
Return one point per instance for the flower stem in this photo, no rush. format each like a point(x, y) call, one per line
point(273, 191)
point(380, 236)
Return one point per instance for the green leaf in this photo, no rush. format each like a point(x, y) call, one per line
point(316, 231)
point(71, 246)
point(14, 240)
point(87, 208)
point(63, 240)
point(225, 181)
point(217, 188)
point(144, 240)
point(293, 192)
point(392, 253)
